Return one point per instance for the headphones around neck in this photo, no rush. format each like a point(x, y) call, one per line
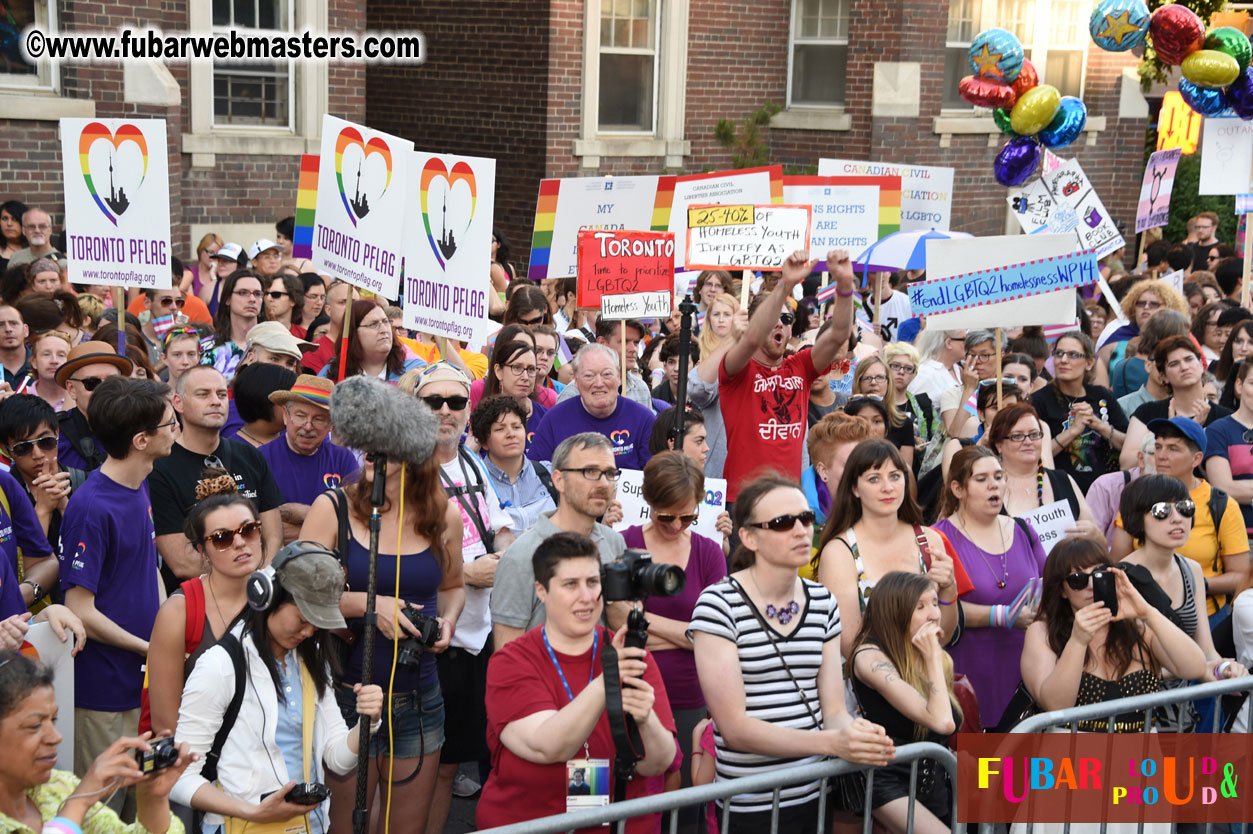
point(261, 585)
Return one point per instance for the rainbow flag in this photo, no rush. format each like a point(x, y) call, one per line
point(542, 237)
point(306, 202)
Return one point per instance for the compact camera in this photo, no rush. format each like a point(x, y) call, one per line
point(308, 793)
point(635, 576)
point(162, 755)
point(411, 648)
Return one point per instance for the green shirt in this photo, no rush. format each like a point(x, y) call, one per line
point(100, 819)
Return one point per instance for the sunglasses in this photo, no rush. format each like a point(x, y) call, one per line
point(91, 383)
point(47, 443)
point(453, 403)
point(1080, 579)
point(787, 319)
point(687, 520)
point(531, 322)
point(1161, 510)
point(175, 302)
point(783, 523)
point(249, 531)
point(274, 295)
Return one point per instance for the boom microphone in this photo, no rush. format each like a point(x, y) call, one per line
point(376, 418)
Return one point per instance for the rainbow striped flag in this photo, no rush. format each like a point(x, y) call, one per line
point(306, 203)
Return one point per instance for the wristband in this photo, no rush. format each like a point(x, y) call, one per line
point(1220, 668)
point(848, 294)
point(375, 724)
point(947, 602)
point(60, 825)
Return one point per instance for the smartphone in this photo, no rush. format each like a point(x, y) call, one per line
point(1105, 589)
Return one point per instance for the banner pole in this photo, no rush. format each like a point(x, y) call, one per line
point(622, 349)
point(998, 369)
point(343, 337)
point(119, 304)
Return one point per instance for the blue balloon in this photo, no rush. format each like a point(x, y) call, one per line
point(1016, 161)
point(1119, 25)
point(1239, 94)
point(997, 55)
point(1066, 126)
point(1208, 101)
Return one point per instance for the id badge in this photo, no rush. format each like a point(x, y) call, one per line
point(587, 784)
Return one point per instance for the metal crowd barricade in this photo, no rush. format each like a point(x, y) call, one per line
point(774, 781)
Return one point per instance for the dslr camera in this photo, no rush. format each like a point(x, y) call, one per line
point(162, 755)
point(634, 576)
point(411, 648)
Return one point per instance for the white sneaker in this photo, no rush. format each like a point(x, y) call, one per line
point(465, 787)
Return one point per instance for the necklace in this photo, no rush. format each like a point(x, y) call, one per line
point(208, 581)
point(1000, 583)
point(250, 436)
point(784, 613)
point(1039, 485)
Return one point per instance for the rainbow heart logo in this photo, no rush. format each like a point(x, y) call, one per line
point(620, 438)
point(115, 203)
point(358, 206)
point(445, 245)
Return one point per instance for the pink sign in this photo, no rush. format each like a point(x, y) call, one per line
point(1159, 179)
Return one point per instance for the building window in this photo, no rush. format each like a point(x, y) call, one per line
point(963, 25)
point(15, 16)
point(1068, 35)
point(628, 65)
point(819, 53)
point(255, 93)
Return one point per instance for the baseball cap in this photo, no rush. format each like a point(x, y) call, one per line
point(229, 252)
point(273, 336)
point(441, 371)
point(315, 580)
point(262, 245)
point(1176, 426)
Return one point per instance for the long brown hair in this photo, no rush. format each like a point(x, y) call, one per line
point(1124, 641)
point(959, 471)
point(846, 507)
point(1089, 352)
point(395, 358)
point(424, 502)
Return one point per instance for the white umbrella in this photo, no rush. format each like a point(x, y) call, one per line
point(901, 250)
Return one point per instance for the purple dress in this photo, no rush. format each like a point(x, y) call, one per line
point(990, 657)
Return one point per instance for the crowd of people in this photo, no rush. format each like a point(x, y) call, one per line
point(177, 507)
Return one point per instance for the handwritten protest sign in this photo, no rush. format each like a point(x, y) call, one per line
point(748, 186)
point(1051, 523)
point(448, 245)
point(42, 644)
point(926, 190)
point(1226, 156)
point(1063, 201)
point(1159, 180)
point(991, 286)
point(620, 263)
point(636, 305)
point(566, 207)
point(363, 185)
point(117, 202)
point(635, 508)
point(745, 236)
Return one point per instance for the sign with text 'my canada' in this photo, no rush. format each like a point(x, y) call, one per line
point(624, 263)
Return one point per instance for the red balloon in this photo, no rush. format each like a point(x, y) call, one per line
point(987, 92)
point(1027, 78)
point(1176, 32)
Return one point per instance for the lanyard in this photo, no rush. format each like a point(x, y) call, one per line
point(553, 657)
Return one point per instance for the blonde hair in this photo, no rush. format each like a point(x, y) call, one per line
point(905, 349)
point(206, 240)
point(895, 416)
point(708, 342)
point(1170, 297)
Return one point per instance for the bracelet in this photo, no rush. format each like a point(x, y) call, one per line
point(1220, 668)
point(374, 725)
point(946, 602)
point(999, 616)
point(61, 825)
point(848, 294)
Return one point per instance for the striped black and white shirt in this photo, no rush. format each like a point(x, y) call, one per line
point(769, 693)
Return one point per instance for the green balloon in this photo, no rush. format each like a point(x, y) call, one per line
point(1001, 116)
point(1231, 41)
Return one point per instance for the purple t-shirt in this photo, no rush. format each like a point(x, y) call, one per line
point(705, 566)
point(19, 528)
point(302, 478)
point(628, 429)
point(233, 421)
point(108, 546)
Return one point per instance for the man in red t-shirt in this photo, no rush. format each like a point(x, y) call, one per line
point(765, 397)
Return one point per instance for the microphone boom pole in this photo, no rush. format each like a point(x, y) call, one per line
point(687, 309)
point(378, 495)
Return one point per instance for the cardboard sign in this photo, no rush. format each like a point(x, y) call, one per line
point(620, 263)
point(1226, 154)
point(745, 236)
point(961, 256)
point(363, 186)
point(448, 245)
point(750, 186)
point(1093, 229)
point(1159, 180)
point(638, 305)
point(1051, 523)
point(1006, 283)
point(843, 216)
point(117, 202)
point(635, 509)
point(42, 644)
point(566, 207)
point(926, 190)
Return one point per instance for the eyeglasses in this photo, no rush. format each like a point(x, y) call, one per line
point(1161, 510)
point(38, 227)
point(591, 473)
point(249, 293)
point(1079, 579)
point(546, 354)
point(874, 378)
point(173, 422)
point(532, 322)
point(1070, 355)
point(378, 324)
point(1145, 304)
point(687, 520)
point(897, 368)
point(90, 383)
point(274, 295)
point(47, 443)
point(453, 403)
point(787, 318)
point(173, 302)
point(318, 421)
point(523, 370)
point(249, 531)
point(980, 357)
point(783, 523)
point(1023, 437)
point(608, 375)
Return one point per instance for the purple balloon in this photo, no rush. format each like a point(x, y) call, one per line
point(1017, 161)
point(1239, 94)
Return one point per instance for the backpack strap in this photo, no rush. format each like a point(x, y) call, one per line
point(236, 653)
point(546, 479)
point(340, 500)
point(193, 592)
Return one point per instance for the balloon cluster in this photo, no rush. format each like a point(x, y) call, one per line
point(1215, 65)
point(1030, 113)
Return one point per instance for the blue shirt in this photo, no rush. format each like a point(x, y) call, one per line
point(289, 731)
point(525, 498)
point(410, 363)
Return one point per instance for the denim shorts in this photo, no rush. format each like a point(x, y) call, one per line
point(417, 720)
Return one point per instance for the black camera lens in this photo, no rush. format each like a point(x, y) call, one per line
point(661, 580)
point(636, 576)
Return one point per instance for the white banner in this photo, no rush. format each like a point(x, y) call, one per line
point(844, 216)
point(635, 509)
point(42, 644)
point(448, 245)
point(926, 190)
point(1226, 156)
point(117, 202)
point(567, 206)
point(359, 228)
point(1051, 523)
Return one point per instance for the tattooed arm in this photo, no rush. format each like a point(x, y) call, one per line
point(935, 711)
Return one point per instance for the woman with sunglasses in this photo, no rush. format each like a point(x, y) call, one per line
point(512, 372)
point(372, 347)
point(527, 306)
point(1085, 420)
point(1138, 306)
point(875, 527)
point(284, 298)
point(1003, 558)
point(674, 488)
point(873, 379)
point(767, 646)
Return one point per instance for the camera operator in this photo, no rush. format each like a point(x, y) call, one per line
point(32, 793)
point(546, 715)
point(275, 669)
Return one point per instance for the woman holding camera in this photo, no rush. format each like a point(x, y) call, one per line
point(425, 579)
point(288, 728)
point(768, 656)
point(34, 795)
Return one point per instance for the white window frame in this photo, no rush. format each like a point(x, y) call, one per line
point(666, 140)
point(308, 99)
point(39, 97)
point(793, 40)
point(47, 77)
point(623, 50)
point(289, 13)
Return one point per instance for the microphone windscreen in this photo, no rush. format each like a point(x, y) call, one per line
point(372, 416)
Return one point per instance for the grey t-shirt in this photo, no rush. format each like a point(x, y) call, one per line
point(514, 603)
